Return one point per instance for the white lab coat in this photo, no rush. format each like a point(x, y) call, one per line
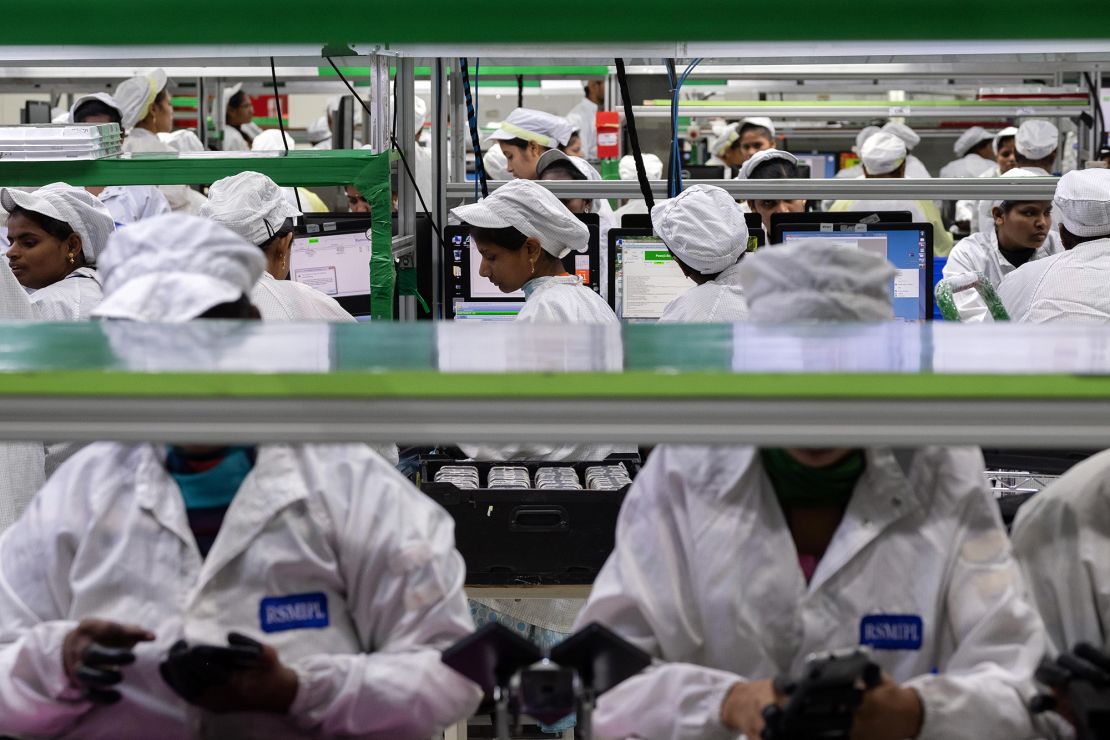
point(422, 172)
point(131, 203)
point(720, 301)
point(70, 299)
point(1066, 287)
point(1062, 543)
point(181, 198)
point(851, 173)
point(632, 207)
point(586, 110)
point(915, 168)
point(108, 537)
point(979, 253)
point(970, 165)
point(234, 141)
point(285, 300)
point(705, 577)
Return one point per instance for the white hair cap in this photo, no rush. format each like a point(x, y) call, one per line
point(545, 129)
point(865, 133)
point(419, 114)
point(764, 156)
point(532, 210)
point(495, 164)
point(761, 121)
point(704, 227)
point(270, 140)
point(729, 135)
point(318, 130)
point(817, 279)
point(1083, 202)
point(903, 132)
point(883, 153)
point(1036, 139)
point(250, 204)
point(174, 267)
point(652, 164)
point(103, 97)
point(78, 208)
point(1008, 131)
point(136, 94)
point(231, 92)
point(969, 139)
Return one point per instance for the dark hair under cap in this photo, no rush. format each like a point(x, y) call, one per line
point(96, 107)
point(508, 237)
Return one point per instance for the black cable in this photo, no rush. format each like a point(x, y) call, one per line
point(393, 140)
point(281, 127)
point(520, 91)
point(672, 170)
point(633, 138)
point(479, 170)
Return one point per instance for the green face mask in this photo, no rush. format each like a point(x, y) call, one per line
point(796, 484)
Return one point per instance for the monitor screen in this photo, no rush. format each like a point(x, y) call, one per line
point(488, 311)
point(909, 247)
point(647, 278)
point(821, 166)
point(781, 222)
point(335, 262)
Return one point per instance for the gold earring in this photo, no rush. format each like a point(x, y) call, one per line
point(72, 259)
point(533, 267)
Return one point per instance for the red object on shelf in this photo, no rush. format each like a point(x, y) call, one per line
point(608, 134)
point(264, 106)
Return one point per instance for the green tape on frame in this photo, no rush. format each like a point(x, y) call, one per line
point(373, 182)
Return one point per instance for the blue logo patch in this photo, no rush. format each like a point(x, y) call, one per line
point(891, 631)
point(297, 612)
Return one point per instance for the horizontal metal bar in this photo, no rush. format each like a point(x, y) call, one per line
point(985, 188)
point(817, 422)
point(864, 112)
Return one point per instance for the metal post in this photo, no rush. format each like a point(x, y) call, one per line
point(1095, 111)
point(219, 118)
point(202, 113)
point(404, 94)
point(380, 120)
point(440, 148)
point(458, 124)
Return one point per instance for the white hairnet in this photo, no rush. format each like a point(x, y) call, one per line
point(545, 129)
point(1036, 139)
point(136, 94)
point(250, 204)
point(969, 139)
point(883, 153)
point(174, 267)
point(229, 93)
point(652, 164)
point(763, 121)
point(1083, 201)
point(332, 106)
point(495, 164)
point(704, 226)
point(1008, 131)
point(865, 133)
point(103, 97)
point(182, 140)
point(565, 130)
point(817, 279)
point(759, 158)
point(729, 135)
point(420, 115)
point(532, 210)
point(270, 140)
point(77, 207)
point(1013, 172)
point(318, 130)
point(903, 132)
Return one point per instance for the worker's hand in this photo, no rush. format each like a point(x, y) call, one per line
point(94, 652)
point(888, 712)
point(743, 706)
point(261, 685)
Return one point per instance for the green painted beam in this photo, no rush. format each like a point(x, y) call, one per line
point(451, 22)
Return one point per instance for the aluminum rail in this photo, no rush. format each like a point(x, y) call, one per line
point(996, 188)
point(878, 110)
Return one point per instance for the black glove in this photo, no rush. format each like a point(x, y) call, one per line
point(192, 670)
point(99, 670)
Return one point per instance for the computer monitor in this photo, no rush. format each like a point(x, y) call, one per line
point(822, 166)
point(701, 171)
point(909, 247)
point(779, 221)
point(468, 295)
point(35, 111)
point(644, 277)
point(636, 221)
point(332, 255)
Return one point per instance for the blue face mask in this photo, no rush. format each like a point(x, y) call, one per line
point(215, 487)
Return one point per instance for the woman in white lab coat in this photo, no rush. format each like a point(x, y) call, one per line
point(1022, 232)
point(324, 553)
point(732, 565)
point(238, 114)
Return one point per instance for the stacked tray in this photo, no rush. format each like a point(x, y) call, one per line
point(62, 141)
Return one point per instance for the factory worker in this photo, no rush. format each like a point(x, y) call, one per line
point(733, 564)
point(495, 163)
point(757, 133)
point(1035, 145)
point(915, 169)
point(856, 170)
point(704, 229)
point(271, 140)
point(1005, 155)
point(574, 144)
point(973, 215)
point(737, 142)
point(147, 112)
point(586, 114)
point(653, 167)
point(126, 203)
point(772, 164)
point(1022, 233)
point(1070, 286)
point(884, 156)
point(422, 167)
point(238, 112)
point(974, 150)
point(324, 553)
point(525, 135)
point(254, 207)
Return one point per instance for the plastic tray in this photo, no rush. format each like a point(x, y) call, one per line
point(47, 133)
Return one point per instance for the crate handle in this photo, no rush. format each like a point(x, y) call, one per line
point(539, 519)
